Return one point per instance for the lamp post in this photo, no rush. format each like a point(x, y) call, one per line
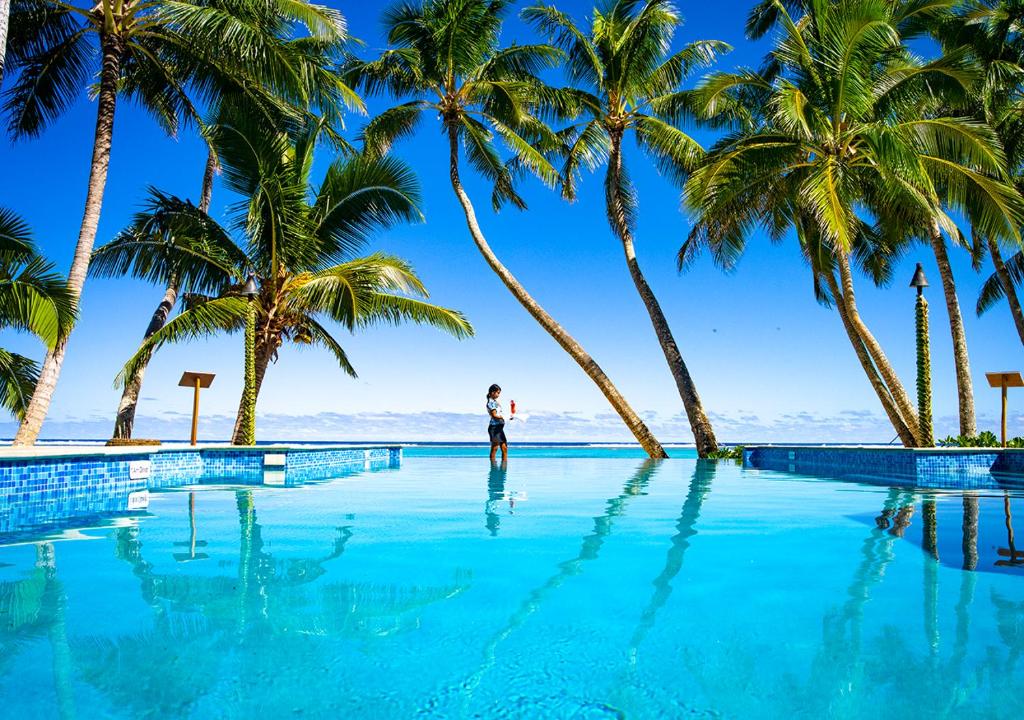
point(249, 291)
point(924, 359)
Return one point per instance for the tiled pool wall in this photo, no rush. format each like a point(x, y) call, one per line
point(40, 491)
point(31, 492)
point(938, 467)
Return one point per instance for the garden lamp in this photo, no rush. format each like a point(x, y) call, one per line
point(924, 360)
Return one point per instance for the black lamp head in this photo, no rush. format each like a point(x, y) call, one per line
point(919, 281)
point(251, 289)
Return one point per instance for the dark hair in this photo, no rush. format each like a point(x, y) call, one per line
point(491, 389)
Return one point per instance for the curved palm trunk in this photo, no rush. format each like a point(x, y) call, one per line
point(125, 422)
point(5, 16)
point(113, 48)
point(904, 432)
point(700, 426)
point(1008, 289)
point(637, 426)
point(964, 384)
point(892, 381)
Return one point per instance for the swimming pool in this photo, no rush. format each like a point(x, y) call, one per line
point(568, 587)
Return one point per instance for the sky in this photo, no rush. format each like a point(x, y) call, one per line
point(769, 363)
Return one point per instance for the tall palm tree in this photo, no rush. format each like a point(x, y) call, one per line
point(301, 245)
point(629, 82)
point(445, 60)
point(944, 20)
point(166, 56)
point(832, 132)
point(990, 29)
point(275, 110)
point(34, 299)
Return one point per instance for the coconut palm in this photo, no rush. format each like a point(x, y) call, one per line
point(275, 110)
point(629, 82)
point(991, 31)
point(165, 55)
point(34, 299)
point(953, 24)
point(445, 61)
point(834, 136)
point(301, 246)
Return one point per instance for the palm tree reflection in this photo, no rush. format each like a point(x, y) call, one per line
point(686, 528)
point(589, 549)
point(203, 622)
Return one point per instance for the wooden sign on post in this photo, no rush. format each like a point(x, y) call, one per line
point(195, 380)
point(1004, 380)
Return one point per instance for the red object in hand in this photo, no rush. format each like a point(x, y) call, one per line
point(513, 404)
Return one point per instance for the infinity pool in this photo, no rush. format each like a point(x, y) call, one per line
point(562, 587)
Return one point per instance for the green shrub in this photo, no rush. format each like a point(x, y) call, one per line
point(984, 439)
point(725, 452)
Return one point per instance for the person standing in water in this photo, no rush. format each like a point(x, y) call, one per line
point(496, 428)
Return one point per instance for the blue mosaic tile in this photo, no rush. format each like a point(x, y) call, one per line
point(929, 468)
point(37, 492)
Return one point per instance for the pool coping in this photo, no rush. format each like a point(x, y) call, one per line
point(8, 453)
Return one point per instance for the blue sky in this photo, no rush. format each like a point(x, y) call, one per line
point(770, 364)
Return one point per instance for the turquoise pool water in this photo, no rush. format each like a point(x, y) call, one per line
point(563, 587)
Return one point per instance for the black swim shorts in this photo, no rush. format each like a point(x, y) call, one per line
point(497, 433)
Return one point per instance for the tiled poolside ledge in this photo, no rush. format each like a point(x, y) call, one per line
point(55, 483)
point(936, 467)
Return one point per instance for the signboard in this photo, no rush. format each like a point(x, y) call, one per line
point(138, 500)
point(139, 470)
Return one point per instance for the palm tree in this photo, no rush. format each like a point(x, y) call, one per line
point(34, 299)
point(991, 31)
point(445, 60)
point(300, 246)
point(832, 130)
point(164, 55)
point(275, 110)
point(628, 81)
point(1003, 283)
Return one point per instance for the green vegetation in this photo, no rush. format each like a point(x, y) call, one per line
point(844, 141)
point(33, 299)
point(627, 82)
point(924, 371)
point(727, 452)
point(984, 439)
point(301, 244)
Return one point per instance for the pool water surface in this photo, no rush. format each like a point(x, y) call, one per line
point(595, 586)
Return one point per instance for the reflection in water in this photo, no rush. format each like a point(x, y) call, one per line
point(495, 496)
point(213, 620)
point(265, 628)
point(1015, 557)
point(686, 528)
point(589, 549)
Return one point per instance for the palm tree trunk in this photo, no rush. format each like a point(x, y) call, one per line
point(964, 384)
point(888, 404)
point(892, 381)
point(125, 421)
point(5, 17)
point(113, 47)
point(700, 426)
point(1008, 289)
point(564, 339)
